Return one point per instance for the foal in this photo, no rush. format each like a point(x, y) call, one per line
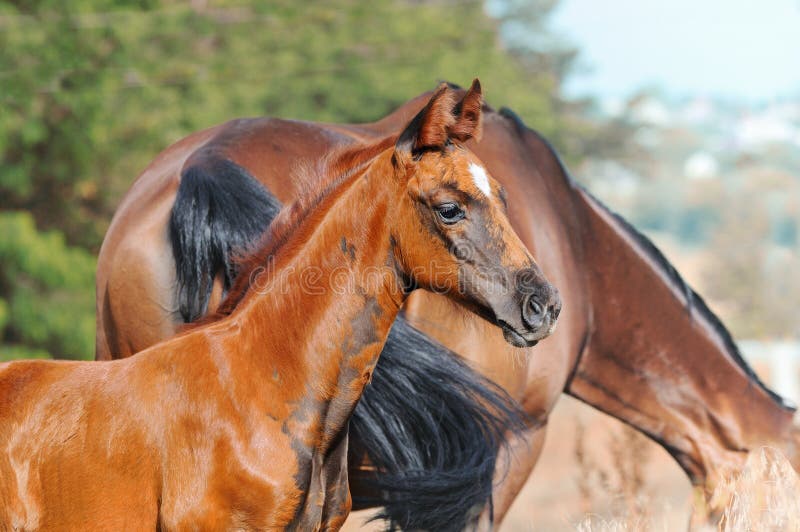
point(242, 423)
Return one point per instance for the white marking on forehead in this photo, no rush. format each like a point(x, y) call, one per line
point(480, 178)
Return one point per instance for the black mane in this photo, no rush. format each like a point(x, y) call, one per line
point(694, 302)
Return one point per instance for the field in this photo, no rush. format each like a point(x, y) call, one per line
point(596, 475)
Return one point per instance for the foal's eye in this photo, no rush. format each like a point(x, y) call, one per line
point(449, 213)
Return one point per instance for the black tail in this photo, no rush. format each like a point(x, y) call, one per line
point(220, 210)
point(433, 427)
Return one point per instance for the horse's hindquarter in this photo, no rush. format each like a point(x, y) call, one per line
point(135, 270)
point(136, 280)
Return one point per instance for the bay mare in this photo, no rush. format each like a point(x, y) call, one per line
point(242, 423)
point(634, 340)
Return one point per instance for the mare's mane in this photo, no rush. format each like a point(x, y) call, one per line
point(694, 302)
point(321, 180)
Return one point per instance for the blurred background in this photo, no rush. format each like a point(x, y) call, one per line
point(682, 116)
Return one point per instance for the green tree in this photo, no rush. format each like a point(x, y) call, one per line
point(754, 277)
point(47, 303)
point(92, 90)
point(547, 60)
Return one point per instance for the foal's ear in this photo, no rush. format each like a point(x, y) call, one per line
point(468, 114)
point(430, 129)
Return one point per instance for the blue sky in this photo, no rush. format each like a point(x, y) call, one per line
point(737, 49)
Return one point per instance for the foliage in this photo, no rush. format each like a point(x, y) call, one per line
point(47, 303)
point(550, 60)
point(92, 90)
point(755, 277)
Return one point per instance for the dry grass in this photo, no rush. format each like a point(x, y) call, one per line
point(619, 485)
point(764, 496)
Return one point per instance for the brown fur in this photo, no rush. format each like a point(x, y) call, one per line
point(325, 176)
point(666, 372)
point(242, 423)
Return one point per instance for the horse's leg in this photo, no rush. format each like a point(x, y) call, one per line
point(338, 503)
point(515, 462)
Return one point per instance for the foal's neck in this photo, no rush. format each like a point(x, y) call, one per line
point(322, 308)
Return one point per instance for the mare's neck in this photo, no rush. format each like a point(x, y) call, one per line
point(316, 318)
point(658, 360)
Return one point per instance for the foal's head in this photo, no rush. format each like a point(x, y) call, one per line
point(453, 234)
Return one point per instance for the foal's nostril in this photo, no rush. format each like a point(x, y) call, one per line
point(541, 309)
point(533, 312)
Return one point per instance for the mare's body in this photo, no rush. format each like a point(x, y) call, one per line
point(242, 423)
point(633, 341)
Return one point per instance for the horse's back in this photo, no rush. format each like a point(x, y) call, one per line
point(22, 382)
point(44, 404)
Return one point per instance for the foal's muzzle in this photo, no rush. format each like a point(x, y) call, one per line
point(539, 307)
